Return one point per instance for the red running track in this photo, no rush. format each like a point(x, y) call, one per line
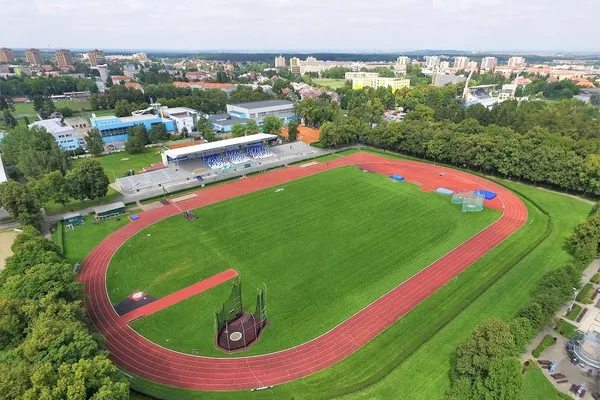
point(180, 295)
point(141, 357)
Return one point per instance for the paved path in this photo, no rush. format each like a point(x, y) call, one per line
point(141, 357)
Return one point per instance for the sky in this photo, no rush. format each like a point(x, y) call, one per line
point(302, 25)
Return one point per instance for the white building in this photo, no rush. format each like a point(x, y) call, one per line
point(377, 82)
point(141, 57)
point(64, 135)
point(182, 116)
point(403, 60)
point(472, 66)
point(488, 63)
point(516, 62)
point(444, 66)
point(279, 62)
point(461, 63)
point(432, 62)
point(353, 75)
point(258, 110)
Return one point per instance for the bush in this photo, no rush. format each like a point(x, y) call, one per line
point(574, 312)
point(595, 277)
point(546, 342)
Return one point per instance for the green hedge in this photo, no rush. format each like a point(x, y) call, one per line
point(584, 296)
point(595, 277)
point(574, 312)
point(546, 342)
point(59, 236)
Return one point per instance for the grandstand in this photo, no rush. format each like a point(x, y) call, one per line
point(198, 164)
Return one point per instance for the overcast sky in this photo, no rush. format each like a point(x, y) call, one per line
point(311, 25)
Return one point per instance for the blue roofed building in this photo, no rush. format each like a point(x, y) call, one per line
point(222, 123)
point(115, 129)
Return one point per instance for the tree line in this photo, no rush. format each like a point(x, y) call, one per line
point(46, 349)
point(16, 86)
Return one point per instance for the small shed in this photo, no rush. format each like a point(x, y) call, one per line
point(73, 219)
point(109, 210)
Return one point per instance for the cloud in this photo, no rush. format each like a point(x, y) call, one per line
point(292, 24)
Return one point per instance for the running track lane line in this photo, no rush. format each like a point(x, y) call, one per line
point(141, 357)
point(180, 295)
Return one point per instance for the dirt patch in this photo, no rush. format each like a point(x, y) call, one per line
point(6, 240)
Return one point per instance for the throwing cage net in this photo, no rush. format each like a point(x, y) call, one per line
point(469, 201)
point(236, 329)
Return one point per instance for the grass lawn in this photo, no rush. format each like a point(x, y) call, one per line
point(410, 368)
point(537, 387)
point(121, 162)
point(331, 83)
point(569, 329)
point(574, 312)
point(75, 105)
point(595, 278)
point(79, 242)
point(326, 247)
point(74, 205)
point(546, 342)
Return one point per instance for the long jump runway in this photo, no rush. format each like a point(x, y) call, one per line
point(141, 357)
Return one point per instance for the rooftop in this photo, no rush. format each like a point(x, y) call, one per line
point(262, 104)
point(108, 207)
point(220, 144)
point(51, 125)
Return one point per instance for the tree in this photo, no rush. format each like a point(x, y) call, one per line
point(9, 120)
point(158, 133)
point(293, 131)
point(87, 180)
point(122, 108)
point(21, 204)
point(251, 127)
point(203, 126)
point(51, 187)
point(94, 142)
point(33, 151)
point(138, 138)
point(595, 99)
point(504, 380)
point(272, 125)
point(238, 130)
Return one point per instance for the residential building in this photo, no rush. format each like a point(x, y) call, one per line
point(258, 110)
point(472, 66)
point(6, 55)
point(403, 60)
point(33, 57)
point(461, 63)
point(134, 85)
point(432, 62)
point(183, 117)
point(279, 62)
point(196, 75)
point(116, 80)
point(516, 62)
point(295, 65)
point(353, 75)
point(444, 66)
point(377, 82)
point(114, 129)
point(141, 57)
point(440, 80)
point(226, 87)
point(95, 57)
point(64, 135)
point(489, 63)
point(64, 58)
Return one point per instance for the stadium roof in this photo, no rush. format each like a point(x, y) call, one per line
point(183, 151)
point(109, 207)
point(261, 104)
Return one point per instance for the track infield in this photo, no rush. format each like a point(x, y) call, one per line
point(143, 358)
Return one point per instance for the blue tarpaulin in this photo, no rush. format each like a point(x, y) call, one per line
point(134, 217)
point(397, 177)
point(486, 194)
point(444, 191)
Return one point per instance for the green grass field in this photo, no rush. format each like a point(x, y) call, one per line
point(536, 386)
point(326, 246)
point(75, 105)
point(331, 83)
point(117, 164)
point(420, 370)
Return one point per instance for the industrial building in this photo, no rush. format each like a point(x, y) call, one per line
point(258, 110)
point(114, 129)
point(440, 80)
point(64, 135)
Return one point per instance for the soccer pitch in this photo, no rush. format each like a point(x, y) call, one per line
point(326, 246)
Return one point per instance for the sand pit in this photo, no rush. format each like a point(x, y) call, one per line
point(6, 240)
